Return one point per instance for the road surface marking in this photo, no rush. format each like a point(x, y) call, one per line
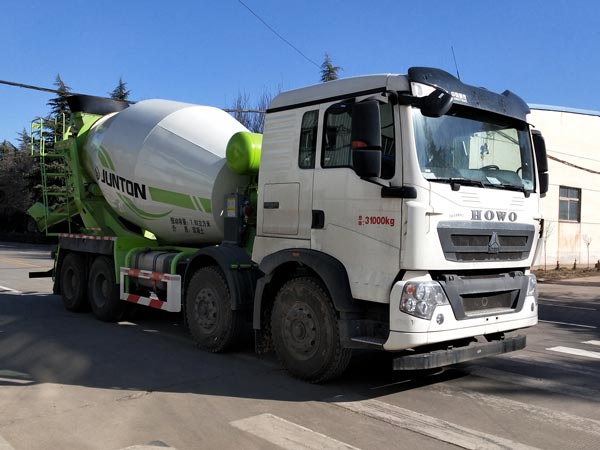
point(14, 381)
point(567, 323)
point(518, 409)
point(566, 306)
point(535, 383)
point(531, 358)
point(288, 435)
point(5, 445)
point(7, 289)
point(21, 263)
point(575, 351)
point(431, 427)
point(592, 342)
point(151, 446)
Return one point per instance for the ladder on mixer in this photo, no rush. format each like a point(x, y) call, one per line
point(57, 191)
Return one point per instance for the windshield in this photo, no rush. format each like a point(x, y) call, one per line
point(470, 147)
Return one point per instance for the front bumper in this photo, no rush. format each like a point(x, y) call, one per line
point(410, 332)
point(440, 358)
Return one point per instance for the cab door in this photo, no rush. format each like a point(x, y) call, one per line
point(357, 226)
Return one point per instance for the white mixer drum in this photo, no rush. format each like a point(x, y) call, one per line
point(161, 165)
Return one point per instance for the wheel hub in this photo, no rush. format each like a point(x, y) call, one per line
point(207, 309)
point(101, 290)
point(300, 331)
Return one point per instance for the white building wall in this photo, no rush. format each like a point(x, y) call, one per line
point(573, 145)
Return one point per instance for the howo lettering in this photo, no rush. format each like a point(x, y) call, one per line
point(359, 220)
point(477, 214)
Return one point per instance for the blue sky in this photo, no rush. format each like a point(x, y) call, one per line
point(205, 52)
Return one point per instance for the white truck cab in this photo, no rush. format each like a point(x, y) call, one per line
point(433, 217)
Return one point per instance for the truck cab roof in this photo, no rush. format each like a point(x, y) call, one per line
point(338, 89)
point(506, 103)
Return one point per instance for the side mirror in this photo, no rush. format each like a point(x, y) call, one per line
point(436, 104)
point(366, 163)
point(366, 139)
point(541, 158)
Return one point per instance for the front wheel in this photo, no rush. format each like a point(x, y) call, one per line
point(104, 291)
point(214, 326)
point(305, 332)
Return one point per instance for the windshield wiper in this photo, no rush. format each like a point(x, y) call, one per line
point(510, 187)
point(456, 183)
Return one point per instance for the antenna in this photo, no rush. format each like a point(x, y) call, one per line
point(455, 65)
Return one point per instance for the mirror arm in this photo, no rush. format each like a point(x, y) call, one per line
point(370, 180)
point(405, 98)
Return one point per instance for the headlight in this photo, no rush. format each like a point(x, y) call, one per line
point(532, 287)
point(420, 298)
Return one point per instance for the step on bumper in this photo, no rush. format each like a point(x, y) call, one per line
point(440, 358)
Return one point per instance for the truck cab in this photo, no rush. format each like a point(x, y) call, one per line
point(425, 193)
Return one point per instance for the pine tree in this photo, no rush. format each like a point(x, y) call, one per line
point(15, 193)
point(60, 114)
point(6, 148)
point(24, 141)
point(329, 72)
point(59, 105)
point(120, 92)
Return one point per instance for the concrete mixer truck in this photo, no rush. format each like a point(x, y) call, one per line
point(392, 212)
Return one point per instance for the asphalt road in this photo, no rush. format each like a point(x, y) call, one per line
point(68, 381)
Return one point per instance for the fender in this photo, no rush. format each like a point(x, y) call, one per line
point(332, 273)
point(237, 267)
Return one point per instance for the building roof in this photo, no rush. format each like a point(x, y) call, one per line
point(587, 112)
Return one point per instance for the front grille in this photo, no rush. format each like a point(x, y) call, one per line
point(513, 241)
point(477, 303)
point(484, 294)
point(465, 241)
point(480, 256)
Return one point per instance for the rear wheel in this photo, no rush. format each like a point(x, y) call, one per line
point(104, 291)
point(214, 326)
point(305, 332)
point(73, 282)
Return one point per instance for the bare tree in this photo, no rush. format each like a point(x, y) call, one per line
point(240, 109)
point(252, 115)
point(587, 240)
point(548, 230)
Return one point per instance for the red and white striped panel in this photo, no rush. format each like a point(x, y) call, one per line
point(147, 275)
point(173, 282)
point(85, 236)
point(152, 302)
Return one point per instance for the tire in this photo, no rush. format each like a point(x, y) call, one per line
point(104, 291)
point(214, 326)
point(305, 332)
point(73, 283)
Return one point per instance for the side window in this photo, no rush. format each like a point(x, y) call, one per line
point(336, 138)
point(388, 141)
point(337, 151)
point(308, 140)
point(569, 206)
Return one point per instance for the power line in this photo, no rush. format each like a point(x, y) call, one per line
point(279, 36)
point(567, 163)
point(131, 102)
point(35, 88)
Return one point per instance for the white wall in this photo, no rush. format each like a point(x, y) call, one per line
point(573, 138)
